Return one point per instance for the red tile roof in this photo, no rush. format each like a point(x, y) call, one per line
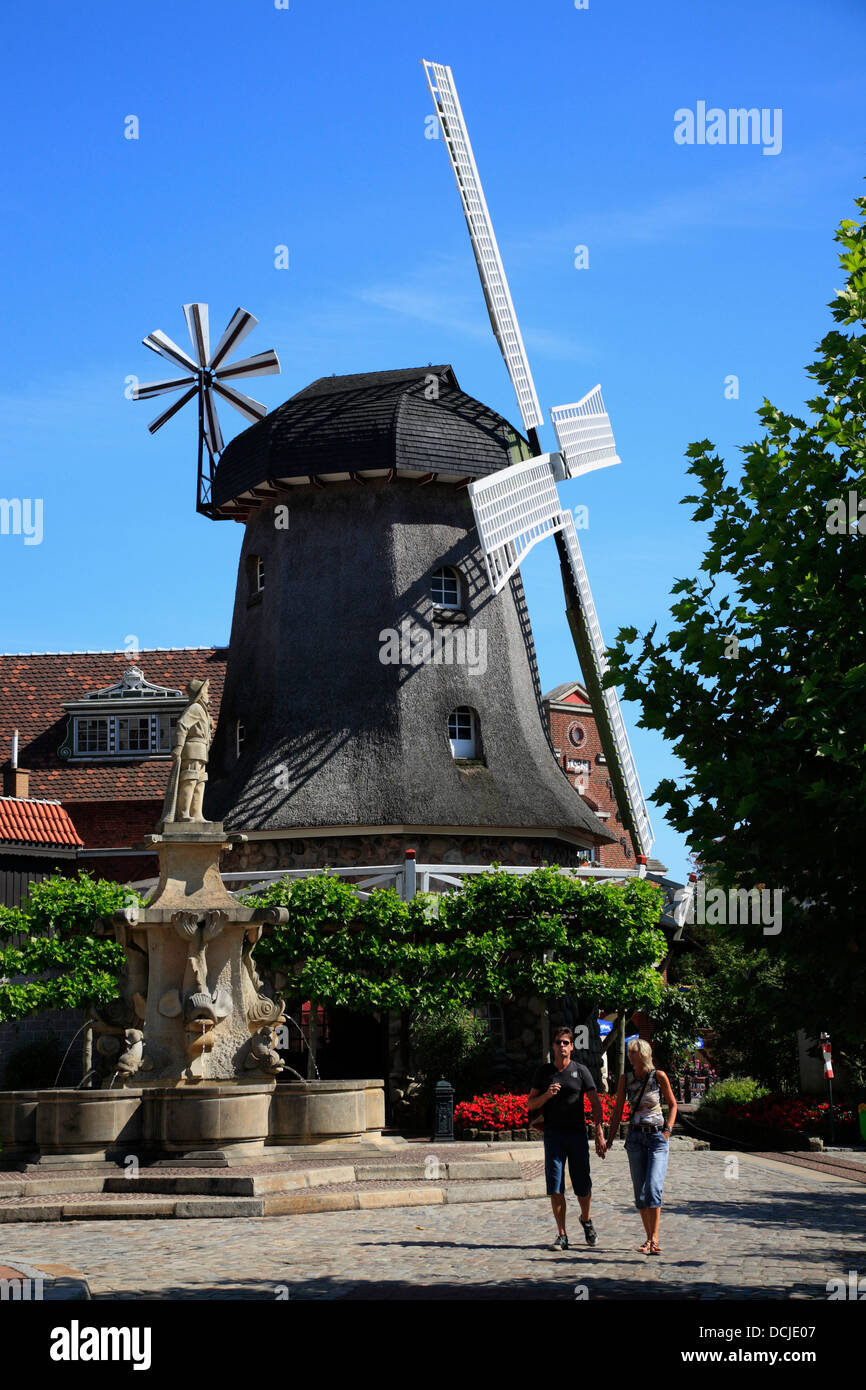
point(33, 688)
point(36, 823)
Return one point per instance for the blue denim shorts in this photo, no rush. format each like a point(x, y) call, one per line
point(648, 1160)
point(571, 1146)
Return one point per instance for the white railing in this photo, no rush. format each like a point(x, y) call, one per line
point(407, 878)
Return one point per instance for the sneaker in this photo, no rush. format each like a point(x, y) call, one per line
point(561, 1243)
point(590, 1232)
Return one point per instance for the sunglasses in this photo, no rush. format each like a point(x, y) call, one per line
point(562, 1042)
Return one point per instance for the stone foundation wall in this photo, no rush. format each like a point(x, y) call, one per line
point(344, 851)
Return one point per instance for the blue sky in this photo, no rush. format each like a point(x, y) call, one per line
point(260, 127)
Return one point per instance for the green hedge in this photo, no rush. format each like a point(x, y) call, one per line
point(734, 1090)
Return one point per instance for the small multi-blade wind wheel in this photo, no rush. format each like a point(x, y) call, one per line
point(209, 374)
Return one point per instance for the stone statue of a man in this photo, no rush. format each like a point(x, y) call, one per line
point(185, 792)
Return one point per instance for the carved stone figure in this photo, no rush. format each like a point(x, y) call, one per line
point(263, 1054)
point(132, 1055)
point(192, 738)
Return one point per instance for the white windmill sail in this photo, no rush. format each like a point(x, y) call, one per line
point(496, 292)
point(519, 506)
point(636, 802)
point(514, 509)
point(584, 434)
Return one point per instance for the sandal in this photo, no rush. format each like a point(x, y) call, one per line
point(646, 1248)
point(654, 1248)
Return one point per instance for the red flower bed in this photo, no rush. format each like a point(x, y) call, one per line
point(492, 1111)
point(786, 1112)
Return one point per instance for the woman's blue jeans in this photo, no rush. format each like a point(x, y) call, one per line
point(648, 1160)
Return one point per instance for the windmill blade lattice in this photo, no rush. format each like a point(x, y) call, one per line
point(208, 374)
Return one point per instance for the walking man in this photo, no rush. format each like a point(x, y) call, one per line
point(558, 1089)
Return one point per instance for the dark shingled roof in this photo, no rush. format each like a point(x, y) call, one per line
point(371, 420)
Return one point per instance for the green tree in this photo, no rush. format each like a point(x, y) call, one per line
point(499, 936)
point(50, 947)
point(760, 685)
point(740, 993)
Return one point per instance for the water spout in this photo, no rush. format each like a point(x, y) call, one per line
point(88, 1023)
point(305, 1044)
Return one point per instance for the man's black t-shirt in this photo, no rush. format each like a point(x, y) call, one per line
point(565, 1110)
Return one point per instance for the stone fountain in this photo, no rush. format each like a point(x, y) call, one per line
point(190, 1043)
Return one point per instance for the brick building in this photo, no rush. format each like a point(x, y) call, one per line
point(94, 735)
point(578, 750)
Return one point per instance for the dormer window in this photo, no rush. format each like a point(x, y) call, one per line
point(445, 588)
point(131, 720)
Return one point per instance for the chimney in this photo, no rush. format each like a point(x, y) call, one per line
point(15, 781)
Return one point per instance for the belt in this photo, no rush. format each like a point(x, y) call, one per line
point(654, 1129)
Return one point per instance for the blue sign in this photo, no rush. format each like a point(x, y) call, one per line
point(699, 1042)
point(604, 1027)
point(633, 1037)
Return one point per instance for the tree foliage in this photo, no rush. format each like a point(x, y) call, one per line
point(760, 685)
point(499, 936)
point(51, 939)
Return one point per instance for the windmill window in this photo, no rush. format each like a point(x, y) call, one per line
point(462, 732)
point(445, 588)
point(576, 734)
point(255, 578)
point(240, 736)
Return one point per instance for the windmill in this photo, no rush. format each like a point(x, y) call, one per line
point(519, 506)
point(209, 374)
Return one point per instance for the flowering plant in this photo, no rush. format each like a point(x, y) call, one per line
point(509, 1111)
point(786, 1112)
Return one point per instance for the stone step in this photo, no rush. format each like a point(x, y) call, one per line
point(183, 1205)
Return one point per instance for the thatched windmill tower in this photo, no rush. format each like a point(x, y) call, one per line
point(379, 694)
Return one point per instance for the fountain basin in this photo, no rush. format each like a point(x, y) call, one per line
point(324, 1110)
point(18, 1121)
point(85, 1126)
point(67, 1126)
point(226, 1117)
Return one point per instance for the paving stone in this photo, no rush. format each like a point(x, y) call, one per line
point(777, 1232)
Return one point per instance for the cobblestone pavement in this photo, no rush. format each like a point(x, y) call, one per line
point(732, 1227)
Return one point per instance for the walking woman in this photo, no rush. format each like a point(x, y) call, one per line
point(647, 1145)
